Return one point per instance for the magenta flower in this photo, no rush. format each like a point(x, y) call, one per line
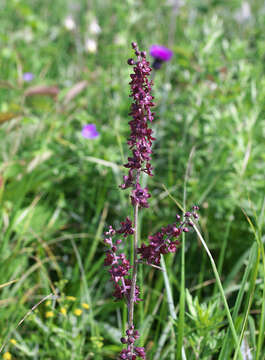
point(160, 54)
point(28, 76)
point(89, 131)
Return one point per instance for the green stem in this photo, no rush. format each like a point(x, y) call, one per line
point(221, 290)
point(249, 302)
point(134, 274)
point(223, 248)
point(181, 302)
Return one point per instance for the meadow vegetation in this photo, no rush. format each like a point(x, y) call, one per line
point(63, 64)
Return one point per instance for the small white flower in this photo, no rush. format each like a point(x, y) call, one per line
point(245, 350)
point(120, 39)
point(69, 23)
point(94, 27)
point(91, 45)
point(26, 34)
point(244, 13)
point(211, 84)
point(176, 3)
point(167, 87)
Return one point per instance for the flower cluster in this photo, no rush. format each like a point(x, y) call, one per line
point(140, 143)
point(123, 274)
point(165, 240)
point(140, 140)
point(119, 264)
point(131, 353)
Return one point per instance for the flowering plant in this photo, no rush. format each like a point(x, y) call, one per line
point(123, 273)
point(160, 54)
point(89, 131)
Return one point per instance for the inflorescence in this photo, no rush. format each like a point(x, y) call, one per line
point(162, 242)
point(165, 240)
point(119, 264)
point(140, 140)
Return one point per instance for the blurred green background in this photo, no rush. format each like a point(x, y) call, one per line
point(59, 191)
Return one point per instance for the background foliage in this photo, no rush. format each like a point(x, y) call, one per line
point(58, 191)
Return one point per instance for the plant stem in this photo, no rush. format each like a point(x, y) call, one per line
point(221, 290)
point(134, 274)
point(181, 302)
point(135, 262)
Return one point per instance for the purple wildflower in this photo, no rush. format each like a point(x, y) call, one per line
point(89, 131)
point(160, 54)
point(119, 264)
point(140, 196)
point(165, 240)
point(139, 351)
point(123, 273)
point(131, 354)
point(140, 140)
point(28, 76)
point(126, 228)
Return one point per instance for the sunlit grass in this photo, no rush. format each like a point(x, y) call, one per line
point(58, 190)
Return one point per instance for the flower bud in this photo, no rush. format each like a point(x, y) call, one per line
point(123, 340)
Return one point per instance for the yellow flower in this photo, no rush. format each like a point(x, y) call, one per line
point(97, 341)
point(48, 303)
point(71, 298)
point(7, 356)
point(63, 311)
point(78, 312)
point(13, 341)
point(86, 306)
point(49, 314)
point(98, 344)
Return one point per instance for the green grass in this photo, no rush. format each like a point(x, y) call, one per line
point(59, 192)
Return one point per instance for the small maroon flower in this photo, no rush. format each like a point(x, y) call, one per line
point(140, 196)
point(109, 258)
point(128, 180)
point(131, 353)
point(163, 241)
point(126, 228)
point(140, 352)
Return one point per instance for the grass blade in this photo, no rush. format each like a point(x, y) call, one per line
point(221, 290)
